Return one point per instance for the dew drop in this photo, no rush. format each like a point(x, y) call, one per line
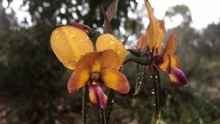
point(156, 77)
point(73, 35)
point(151, 76)
point(140, 82)
point(121, 68)
point(57, 37)
point(111, 42)
point(80, 40)
point(153, 92)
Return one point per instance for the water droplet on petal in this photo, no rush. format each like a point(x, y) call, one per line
point(73, 35)
point(111, 42)
point(57, 37)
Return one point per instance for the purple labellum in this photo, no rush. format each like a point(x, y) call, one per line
point(178, 77)
point(97, 96)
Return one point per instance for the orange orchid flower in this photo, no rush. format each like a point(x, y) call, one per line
point(74, 49)
point(166, 61)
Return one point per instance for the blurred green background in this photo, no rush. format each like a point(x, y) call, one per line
point(33, 81)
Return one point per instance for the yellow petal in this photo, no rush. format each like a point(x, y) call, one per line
point(154, 33)
point(108, 41)
point(115, 80)
point(171, 45)
point(174, 62)
point(164, 63)
point(109, 59)
point(78, 79)
point(69, 44)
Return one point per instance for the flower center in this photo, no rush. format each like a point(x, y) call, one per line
point(94, 76)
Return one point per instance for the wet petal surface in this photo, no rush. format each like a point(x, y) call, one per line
point(69, 44)
point(108, 41)
point(77, 80)
point(115, 80)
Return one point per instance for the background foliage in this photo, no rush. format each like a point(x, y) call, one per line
point(33, 82)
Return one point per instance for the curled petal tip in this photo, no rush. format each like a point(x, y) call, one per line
point(178, 78)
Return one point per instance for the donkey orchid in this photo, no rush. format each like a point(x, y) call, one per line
point(166, 61)
point(74, 49)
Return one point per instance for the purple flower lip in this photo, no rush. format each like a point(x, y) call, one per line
point(97, 96)
point(178, 77)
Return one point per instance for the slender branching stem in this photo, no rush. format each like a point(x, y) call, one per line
point(103, 117)
point(111, 97)
point(84, 104)
point(139, 60)
point(157, 88)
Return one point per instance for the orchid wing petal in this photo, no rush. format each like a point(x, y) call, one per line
point(115, 80)
point(77, 80)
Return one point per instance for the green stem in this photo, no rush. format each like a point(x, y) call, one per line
point(157, 88)
point(139, 60)
point(84, 104)
point(111, 97)
point(137, 79)
point(103, 117)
